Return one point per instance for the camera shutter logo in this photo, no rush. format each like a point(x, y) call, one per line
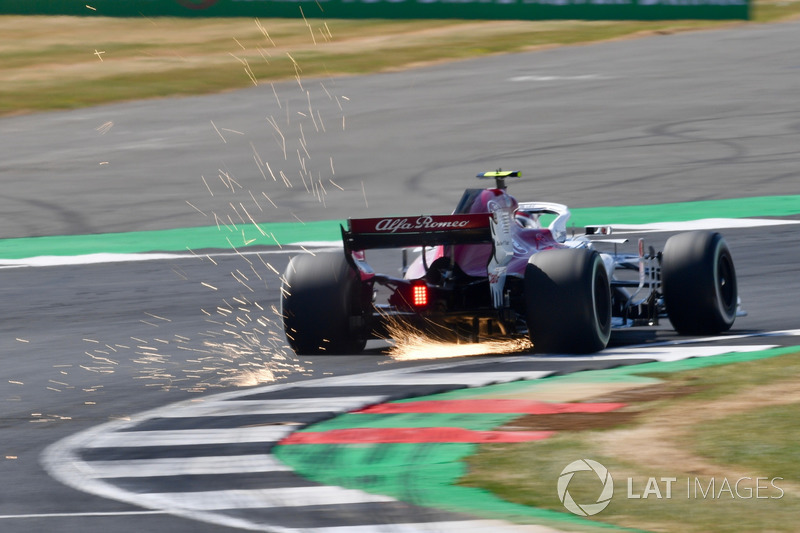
point(587, 509)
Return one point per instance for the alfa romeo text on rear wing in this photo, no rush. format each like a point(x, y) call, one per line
point(425, 230)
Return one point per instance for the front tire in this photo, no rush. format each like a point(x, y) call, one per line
point(568, 301)
point(698, 281)
point(322, 305)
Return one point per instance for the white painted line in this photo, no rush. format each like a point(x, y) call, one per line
point(677, 353)
point(264, 407)
point(472, 379)
point(466, 526)
point(261, 498)
point(89, 259)
point(94, 259)
point(334, 246)
point(702, 224)
point(543, 77)
point(666, 351)
point(724, 338)
point(185, 466)
point(80, 515)
point(265, 434)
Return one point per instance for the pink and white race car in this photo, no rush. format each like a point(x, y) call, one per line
point(492, 269)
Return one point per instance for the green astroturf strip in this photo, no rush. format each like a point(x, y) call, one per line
point(475, 422)
point(272, 233)
point(174, 240)
point(422, 474)
point(762, 206)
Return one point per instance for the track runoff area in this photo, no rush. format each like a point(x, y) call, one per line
point(380, 451)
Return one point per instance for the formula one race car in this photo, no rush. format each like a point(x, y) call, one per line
point(491, 269)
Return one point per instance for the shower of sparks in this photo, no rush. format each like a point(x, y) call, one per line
point(330, 97)
point(270, 173)
point(410, 344)
point(269, 199)
point(260, 168)
point(303, 179)
point(311, 111)
point(218, 132)
point(264, 32)
point(243, 343)
point(242, 348)
point(104, 128)
point(196, 208)
point(321, 123)
point(276, 96)
point(251, 74)
point(274, 124)
point(310, 29)
point(252, 197)
point(297, 71)
point(207, 187)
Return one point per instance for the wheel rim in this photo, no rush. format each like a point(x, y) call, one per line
point(726, 284)
point(601, 300)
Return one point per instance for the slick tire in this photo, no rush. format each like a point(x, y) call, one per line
point(568, 301)
point(698, 281)
point(321, 305)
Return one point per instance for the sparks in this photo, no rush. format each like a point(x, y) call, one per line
point(218, 132)
point(410, 343)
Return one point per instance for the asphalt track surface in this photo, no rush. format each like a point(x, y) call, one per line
point(694, 116)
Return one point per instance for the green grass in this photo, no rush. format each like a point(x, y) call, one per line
point(49, 63)
point(749, 441)
point(774, 454)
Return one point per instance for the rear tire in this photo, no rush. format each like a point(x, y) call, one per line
point(321, 295)
point(698, 281)
point(568, 301)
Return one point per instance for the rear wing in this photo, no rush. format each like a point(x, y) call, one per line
point(425, 230)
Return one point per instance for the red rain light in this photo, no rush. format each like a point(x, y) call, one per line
point(419, 295)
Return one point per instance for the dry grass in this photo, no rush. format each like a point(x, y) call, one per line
point(67, 62)
point(688, 427)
